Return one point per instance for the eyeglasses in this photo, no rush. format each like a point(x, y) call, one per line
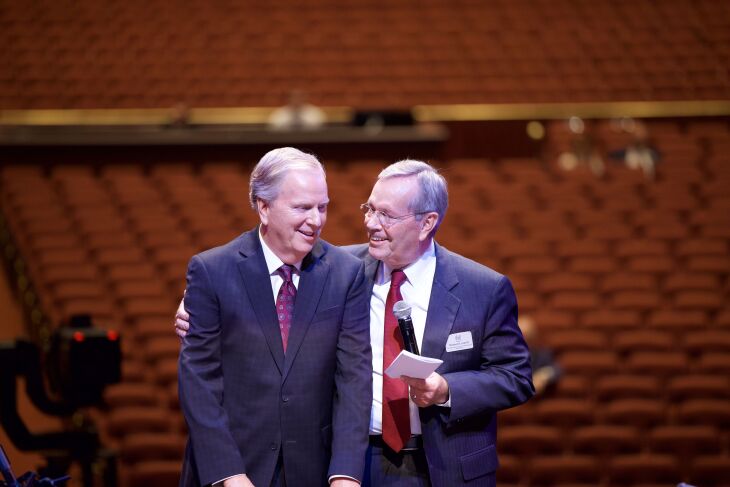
point(383, 218)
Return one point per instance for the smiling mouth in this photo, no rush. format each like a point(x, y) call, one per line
point(308, 234)
point(377, 239)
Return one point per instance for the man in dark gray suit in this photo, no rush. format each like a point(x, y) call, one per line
point(275, 372)
point(441, 430)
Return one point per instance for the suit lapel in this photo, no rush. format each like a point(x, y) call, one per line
point(312, 279)
point(371, 271)
point(257, 282)
point(442, 307)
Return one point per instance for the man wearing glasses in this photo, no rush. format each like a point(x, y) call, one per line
point(438, 431)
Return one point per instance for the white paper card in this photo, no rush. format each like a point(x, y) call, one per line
point(459, 341)
point(411, 365)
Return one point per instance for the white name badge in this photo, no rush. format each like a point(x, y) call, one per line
point(459, 341)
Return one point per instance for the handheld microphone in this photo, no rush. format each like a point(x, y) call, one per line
point(402, 311)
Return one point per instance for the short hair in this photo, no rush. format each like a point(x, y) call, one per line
point(267, 175)
point(434, 194)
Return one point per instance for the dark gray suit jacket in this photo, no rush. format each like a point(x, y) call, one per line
point(460, 442)
point(244, 400)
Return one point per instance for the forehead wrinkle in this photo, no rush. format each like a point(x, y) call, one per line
point(389, 206)
point(384, 207)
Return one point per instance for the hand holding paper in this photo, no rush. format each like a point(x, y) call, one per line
point(412, 365)
point(429, 391)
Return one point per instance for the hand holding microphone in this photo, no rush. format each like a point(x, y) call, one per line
point(424, 392)
point(402, 311)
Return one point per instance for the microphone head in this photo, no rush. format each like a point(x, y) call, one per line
point(401, 310)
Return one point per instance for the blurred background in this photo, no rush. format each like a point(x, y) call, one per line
point(587, 149)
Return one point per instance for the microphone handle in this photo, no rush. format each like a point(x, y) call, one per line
point(409, 335)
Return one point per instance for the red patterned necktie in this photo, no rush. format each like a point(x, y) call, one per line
point(285, 303)
point(396, 417)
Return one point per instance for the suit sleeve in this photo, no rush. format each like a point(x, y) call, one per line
point(200, 382)
point(504, 378)
point(353, 382)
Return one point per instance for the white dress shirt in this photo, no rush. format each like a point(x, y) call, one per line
point(416, 291)
point(273, 263)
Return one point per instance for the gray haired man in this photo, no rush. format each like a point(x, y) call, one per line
point(274, 373)
point(438, 431)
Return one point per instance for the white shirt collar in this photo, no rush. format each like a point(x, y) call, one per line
point(273, 262)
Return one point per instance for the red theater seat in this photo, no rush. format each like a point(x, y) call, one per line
point(575, 340)
point(607, 440)
point(711, 470)
point(638, 412)
point(643, 340)
point(643, 468)
point(154, 473)
point(708, 341)
point(714, 362)
point(685, 441)
point(131, 394)
point(530, 440)
point(661, 363)
point(699, 386)
point(714, 412)
point(127, 420)
point(563, 412)
point(561, 470)
point(627, 386)
point(141, 447)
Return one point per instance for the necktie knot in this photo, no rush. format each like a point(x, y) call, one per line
point(286, 272)
point(397, 278)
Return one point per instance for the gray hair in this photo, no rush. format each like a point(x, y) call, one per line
point(434, 195)
point(267, 175)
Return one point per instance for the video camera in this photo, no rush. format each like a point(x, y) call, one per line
point(81, 362)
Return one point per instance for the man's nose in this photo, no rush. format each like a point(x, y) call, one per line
point(314, 217)
point(371, 221)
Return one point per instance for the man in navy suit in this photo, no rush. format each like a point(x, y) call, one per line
point(443, 432)
point(275, 372)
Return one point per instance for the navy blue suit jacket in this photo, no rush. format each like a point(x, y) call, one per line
point(460, 442)
point(244, 400)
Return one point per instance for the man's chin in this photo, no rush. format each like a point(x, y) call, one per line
point(376, 252)
point(307, 240)
point(304, 245)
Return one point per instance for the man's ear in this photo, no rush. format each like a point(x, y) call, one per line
point(262, 207)
point(428, 223)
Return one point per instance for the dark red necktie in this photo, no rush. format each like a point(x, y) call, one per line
point(285, 302)
point(396, 418)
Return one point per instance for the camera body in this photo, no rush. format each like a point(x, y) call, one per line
point(82, 361)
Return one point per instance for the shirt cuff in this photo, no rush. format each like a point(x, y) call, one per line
point(220, 482)
point(335, 477)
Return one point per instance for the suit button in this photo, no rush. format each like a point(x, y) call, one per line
point(285, 398)
point(273, 447)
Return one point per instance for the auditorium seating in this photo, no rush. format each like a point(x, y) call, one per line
point(631, 296)
point(363, 54)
